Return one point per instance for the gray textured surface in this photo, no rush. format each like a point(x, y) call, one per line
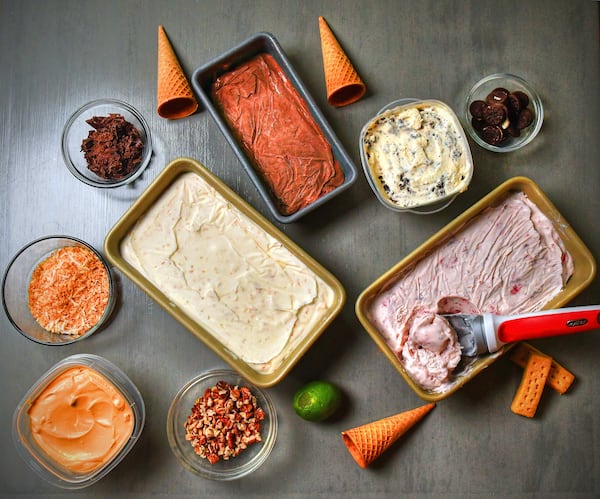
point(57, 55)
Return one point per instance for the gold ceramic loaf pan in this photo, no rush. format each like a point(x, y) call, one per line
point(584, 272)
point(274, 277)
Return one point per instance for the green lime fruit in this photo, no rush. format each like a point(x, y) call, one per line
point(317, 400)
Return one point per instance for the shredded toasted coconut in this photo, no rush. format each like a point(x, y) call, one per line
point(69, 291)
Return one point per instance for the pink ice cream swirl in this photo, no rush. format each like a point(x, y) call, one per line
point(429, 348)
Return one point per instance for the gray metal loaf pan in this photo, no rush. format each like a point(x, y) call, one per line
point(204, 76)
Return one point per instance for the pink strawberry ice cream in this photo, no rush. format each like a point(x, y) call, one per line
point(507, 260)
point(431, 350)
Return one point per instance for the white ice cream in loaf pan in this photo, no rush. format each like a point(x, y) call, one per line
point(225, 272)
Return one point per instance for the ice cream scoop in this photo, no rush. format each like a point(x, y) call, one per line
point(484, 333)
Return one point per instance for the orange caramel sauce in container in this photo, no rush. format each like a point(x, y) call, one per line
point(81, 420)
point(78, 421)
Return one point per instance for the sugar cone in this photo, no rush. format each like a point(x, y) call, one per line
point(344, 86)
point(367, 442)
point(175, 97)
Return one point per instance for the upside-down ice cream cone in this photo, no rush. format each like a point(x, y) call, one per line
point(367, 442)
point(344, 86)
point(175, 97)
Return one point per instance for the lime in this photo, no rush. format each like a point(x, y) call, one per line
point(317, 400)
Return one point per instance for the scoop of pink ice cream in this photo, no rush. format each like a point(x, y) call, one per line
point(431, 349)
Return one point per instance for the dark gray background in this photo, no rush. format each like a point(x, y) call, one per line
point(57, 55)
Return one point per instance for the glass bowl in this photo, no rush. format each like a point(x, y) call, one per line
point(15, 290)
point(100, 372)
point(235, 467)
point(77, 129)
point(512, 83)
point(455, 135)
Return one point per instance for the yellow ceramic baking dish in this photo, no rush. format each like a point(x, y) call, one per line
point(584, 273)
point(113, 252)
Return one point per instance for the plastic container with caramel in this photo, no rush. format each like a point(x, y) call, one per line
point(44, 465)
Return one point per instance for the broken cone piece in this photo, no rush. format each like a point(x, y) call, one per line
point(344, 86)
point(175, 97)
point(367, 442)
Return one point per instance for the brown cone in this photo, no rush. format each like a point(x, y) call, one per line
point(344, 86)
point(366, 443)
point(175, 97)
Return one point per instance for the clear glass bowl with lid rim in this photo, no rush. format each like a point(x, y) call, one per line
point(423, 208)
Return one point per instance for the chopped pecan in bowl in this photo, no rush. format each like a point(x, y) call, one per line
point(220, 426)
point(223, 422)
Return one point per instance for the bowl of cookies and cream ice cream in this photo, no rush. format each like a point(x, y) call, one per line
point(416, 156)
point(510, 253)
point(78, 421)
point(225, 272)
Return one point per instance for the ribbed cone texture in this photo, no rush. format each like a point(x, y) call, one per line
point(344, 86)
point(174, 95)
point(366, 443)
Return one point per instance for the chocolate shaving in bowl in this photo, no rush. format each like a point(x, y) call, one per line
point(113, 150)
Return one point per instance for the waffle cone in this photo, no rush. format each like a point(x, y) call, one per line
point(344, 86)
point(367, 442)
point(174, 95)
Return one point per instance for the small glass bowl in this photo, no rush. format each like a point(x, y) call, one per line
point(15, 290)
point(426, 208)
point(44, 465)
point(77, 129)
point(511, 83)
point(236, 467)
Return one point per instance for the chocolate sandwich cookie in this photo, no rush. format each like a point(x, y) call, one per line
point(501, 115)
point(497, 96)
point(492, 134)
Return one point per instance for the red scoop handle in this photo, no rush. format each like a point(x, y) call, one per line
point(549, 323)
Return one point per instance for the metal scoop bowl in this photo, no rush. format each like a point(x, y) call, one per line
point(485, 333)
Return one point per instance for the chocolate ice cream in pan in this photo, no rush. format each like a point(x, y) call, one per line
point(275, 128)
point(510, 253)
